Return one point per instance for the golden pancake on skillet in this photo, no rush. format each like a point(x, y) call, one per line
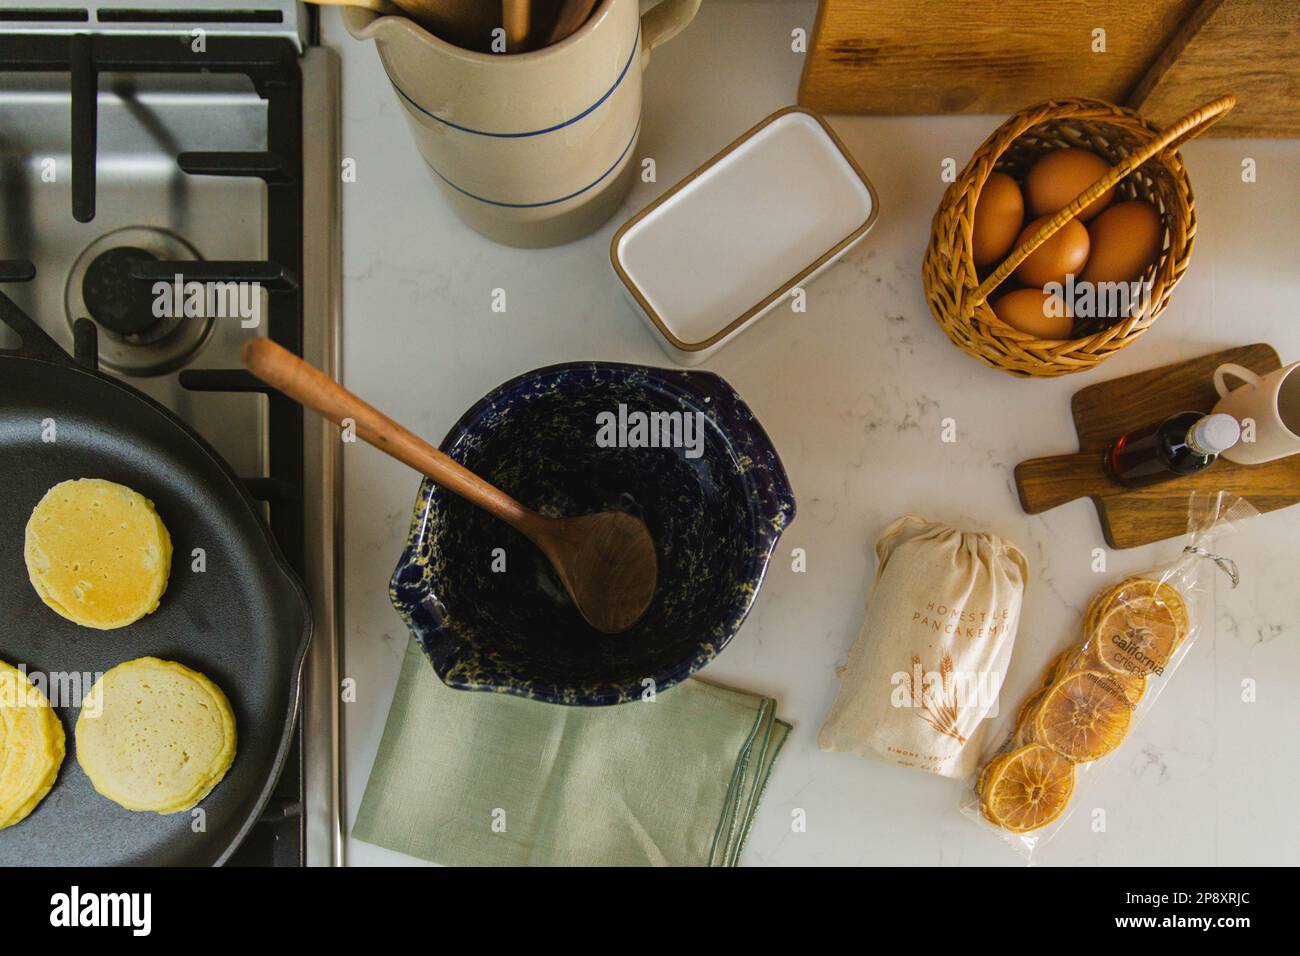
point(97, 553)
point(32, 746)
point(155, 735)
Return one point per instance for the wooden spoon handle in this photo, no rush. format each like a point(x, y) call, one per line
point(516, 17)
point(572, 15)
point(314, 389)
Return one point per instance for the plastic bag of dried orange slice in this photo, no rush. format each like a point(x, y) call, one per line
point(1135, 632)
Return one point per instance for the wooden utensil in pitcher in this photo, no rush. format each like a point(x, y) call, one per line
point(572, 14)
point(606, 561)
point(516, 19)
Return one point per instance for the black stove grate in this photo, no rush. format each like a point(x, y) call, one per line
point(272, 66)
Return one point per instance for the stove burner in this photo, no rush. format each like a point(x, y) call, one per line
point(134, 341)
point(114, 300)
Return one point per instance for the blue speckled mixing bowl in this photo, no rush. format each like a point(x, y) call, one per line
point(715, 520)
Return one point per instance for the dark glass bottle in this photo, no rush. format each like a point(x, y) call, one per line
point(1180, 445)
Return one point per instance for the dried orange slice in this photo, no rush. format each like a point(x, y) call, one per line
point(1055, 668)
point(1093, 614)
point(1084, 717)
point(1026, 729)
point(1027, 788)
point(990, 768)
point(1132, 686)
point(1139, 590)
point(1027, 706)
point(1138, 638)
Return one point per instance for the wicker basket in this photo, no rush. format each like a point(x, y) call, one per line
point(957, 297)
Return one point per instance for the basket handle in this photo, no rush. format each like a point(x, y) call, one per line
point(1190, 126)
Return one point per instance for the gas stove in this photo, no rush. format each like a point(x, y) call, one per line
point(146, 142)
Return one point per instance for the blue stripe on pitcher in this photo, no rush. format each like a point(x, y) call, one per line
point(537, 132)
point(548, 202)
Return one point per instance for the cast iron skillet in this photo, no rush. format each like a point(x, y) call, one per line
point(244, 622)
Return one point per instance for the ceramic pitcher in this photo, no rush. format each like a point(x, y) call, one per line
point(530, 149)
point(1270, 402)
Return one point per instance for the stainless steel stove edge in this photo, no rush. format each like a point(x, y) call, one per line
point(323, 465)
point(285, 18)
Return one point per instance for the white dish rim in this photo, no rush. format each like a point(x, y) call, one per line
point(767, 301)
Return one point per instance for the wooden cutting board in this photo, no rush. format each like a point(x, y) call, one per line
point(981, 56)
point(1246, 47)
point(1102, 412)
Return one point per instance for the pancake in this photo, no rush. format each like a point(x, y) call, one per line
point(97, 553)
point(32, 746)
point(155, 735)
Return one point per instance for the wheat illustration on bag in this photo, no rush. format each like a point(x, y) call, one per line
point(941, 715)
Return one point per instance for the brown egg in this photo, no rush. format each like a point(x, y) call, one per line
point(1065, 252)
point(1125, 240)
point(1035, 312)
point(999, 214)
point(1061, 175)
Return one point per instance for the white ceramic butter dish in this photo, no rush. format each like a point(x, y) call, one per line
point(729, 243)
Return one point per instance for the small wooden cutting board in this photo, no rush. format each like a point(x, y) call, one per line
point(1102, 412)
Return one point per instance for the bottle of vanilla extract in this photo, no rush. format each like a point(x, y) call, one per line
point(1180, 445)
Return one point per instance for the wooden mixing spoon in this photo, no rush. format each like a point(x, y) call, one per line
point(573, 14)
point(606, 561)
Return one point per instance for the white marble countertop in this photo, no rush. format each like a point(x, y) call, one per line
point(852, 393)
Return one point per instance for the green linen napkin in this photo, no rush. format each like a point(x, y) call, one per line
point(469, 778)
